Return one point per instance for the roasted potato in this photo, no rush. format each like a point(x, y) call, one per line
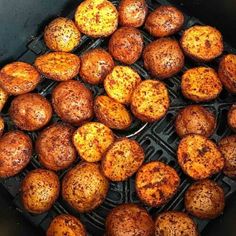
point(205, 199)
point(15, 153)
point(201, 84)
point(111, 113)
point(227, 147)
point(231, 118)
point(174, 223)
point(163, 58)
point(129, 220)
point(202, 43)
point(67, 225)
point(96, 18)
point(59, 66)
point(122, 159)
point(55, 148)
point(2, 125)
point(92, 140)
point(164, 21)
point(126, 45)
point(150, 101)
point(73, 102)
point(3, 97)
point(30, 111)
point(121, 82)
point(156, 183)
point(199, 157)
point(96, 64)
point(19, 78)
point(195, 119)
point(61, 34)
point(132, 13)
point(84, 187)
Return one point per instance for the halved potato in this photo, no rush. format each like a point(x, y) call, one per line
point(231, 118)
point(2, 125)
point(3, 98)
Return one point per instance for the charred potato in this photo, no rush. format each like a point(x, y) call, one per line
point(232, 117)
point(2, 125)
point(3, 97)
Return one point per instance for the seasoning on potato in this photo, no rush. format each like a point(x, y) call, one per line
point(73, 102)
point(96, 18)
point(231, 118)
point(59, 66)
point(163, 58)
point(126, 45)
point(201, 84)
point(121, 82)
point(2, 125)
point(85, 187)
point(150, 101)
point(96, 64)
point(92, 140)
point(199, 157)
point(156, 183)
point(3, 98)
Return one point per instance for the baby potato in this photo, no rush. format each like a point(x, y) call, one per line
point(15, 153)
point(73, 102)
point(164, 21)
point(122, 159)
point(59, 66)
point(39, 190)
point(66, 225)
point(121, 82)
point(204, 199)
point(129, 220)
point(19, 78)
point(201, 84)
point(2, 125)
point(132, 13)
point(150, 101)
point(156, 183)
point(96, 18)
point(126, 45)
point(61, 34)
point(231, 118)
point(30, 111)
point(85, 187)
point(111, 113)
point(92, 140)
point(199, 157)
point(163, 58)
point(174, 223)
point(3, 97)
point(195, 119)
point(55, 148)
point(96, 64)
point(202, 43)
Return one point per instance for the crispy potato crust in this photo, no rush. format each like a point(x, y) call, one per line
point(3, 98)
point(231, 118)
point(2, 125)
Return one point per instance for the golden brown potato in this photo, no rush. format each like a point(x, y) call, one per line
point(195, 119)
point(129, 220)
point(164, 21)
point(199, 157)
point(174, 223)
point(121, 82)
point(96, 18)
point(15, 153)
point(232, 117)
point(163, 58)
point(67, 225)
point(85, 187)
point(122, 159)
point(55, 148)
point(202, 43)
point(132, 13)
point(201, 84)
point(39, 190)
point(3, 98)
point(150, 101)
point(227, 147)
point(156, 183)
point(61, 34)
point(2, 125)
point(126, 45)
point(73, 102)
point(92, 140)
point(19, 78)
point(96, 64)
point(205, 199)
point(59, 66)
point(111, 113)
